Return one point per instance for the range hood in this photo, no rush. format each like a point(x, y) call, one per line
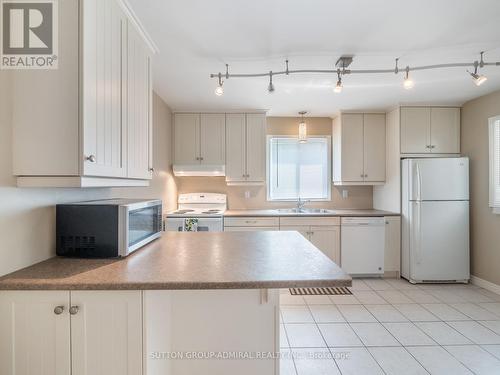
point(200, 170)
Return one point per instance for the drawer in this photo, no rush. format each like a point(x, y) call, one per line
point(316, 221)
point(251, 222)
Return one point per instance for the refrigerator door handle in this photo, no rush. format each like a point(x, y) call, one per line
point(419, 183)
point(418, 233)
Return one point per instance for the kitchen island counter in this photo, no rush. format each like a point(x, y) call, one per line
point(217, 260)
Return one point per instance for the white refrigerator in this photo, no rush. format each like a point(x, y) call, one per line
point(435, 222)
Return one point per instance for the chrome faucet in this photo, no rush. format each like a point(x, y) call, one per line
point(300, 204)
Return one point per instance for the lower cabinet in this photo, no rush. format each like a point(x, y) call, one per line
point(77, 332)
point(324, 233)
point(251, 224)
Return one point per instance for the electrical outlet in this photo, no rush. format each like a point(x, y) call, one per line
point(247, 194)
point(345, 194)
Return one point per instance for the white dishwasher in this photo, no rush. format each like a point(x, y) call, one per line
point(362, 245)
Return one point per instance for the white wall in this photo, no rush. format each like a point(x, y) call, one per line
point(27, 216)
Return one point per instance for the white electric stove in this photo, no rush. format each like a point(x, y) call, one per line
point(198, 212)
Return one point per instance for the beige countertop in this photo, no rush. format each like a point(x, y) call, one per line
point(333, 212)
point(210, 260)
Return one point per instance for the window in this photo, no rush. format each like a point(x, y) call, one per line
point(494, 130)
point(298, 169)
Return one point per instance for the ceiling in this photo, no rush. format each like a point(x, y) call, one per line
point(197, 37)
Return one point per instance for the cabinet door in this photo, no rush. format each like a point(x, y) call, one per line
point(235, 147)
point(186, 138)
point(139, 116)
point(352, 147)
point(34, 340)
point(374, 147)
point(392, 256)
point(327, 239)
point(212, 138)
point(415, 130)
point(302, 229)
point(445, 130)
point(256, 147)
point(104, 130)
point(106, 332)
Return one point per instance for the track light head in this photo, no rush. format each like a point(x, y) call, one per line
point(270, 87)
point(477, 78)
point(338, 87)
point(219, 90)
point(408, 83)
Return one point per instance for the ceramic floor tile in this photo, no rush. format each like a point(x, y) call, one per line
point(394, 296)
point(296, 314)
point(358, 361)
point(314, 362)
point(445, 312)
point(397, 361)
point(420, 296)
point(339, 335)
point(474, 311)
point(378, 284)
point(447, 296)
point(443, 334)
point(490, 294)
point(492, 349)
point(408, 334)
point(386, 313)
point(326, 314)
point(317, 300)
point(494, 325)
point(288, 299)
point(283, 339)
point(476, 332)
point(304, 336)
point(493, 307)
point(358, 284)
point(401, 284)
point(474, 296)
point(344, 300)
point(416, 313)
point(374, 334)
point(437, 360)
point(287, 366)
point(356, 314)
point(476, 359)
point(369, 297)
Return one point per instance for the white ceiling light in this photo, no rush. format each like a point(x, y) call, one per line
point(338, 86)
point(478, 79)
point(219, 90)
point(302, 128)
point(408, 82)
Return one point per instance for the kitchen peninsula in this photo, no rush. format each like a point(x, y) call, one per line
point(148, 313)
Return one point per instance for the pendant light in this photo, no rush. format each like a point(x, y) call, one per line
point(219, 90)
point(338, 86)
point(302, 128)
point(408, 82)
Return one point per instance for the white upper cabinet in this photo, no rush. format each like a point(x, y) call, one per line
point(427, 130)
point(95, 127)
point(246, 148)
point(199, 139)
point(359, 149)
point(212, 138)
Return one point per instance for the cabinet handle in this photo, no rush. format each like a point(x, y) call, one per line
point(433, 146)
point(91, 158)
point(361, 175)
point(201, 158)
point(428, 146)
point(73, 310)
point(151, 169)
point(58, 310)
point(366, 175)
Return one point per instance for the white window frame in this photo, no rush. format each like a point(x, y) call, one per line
point(329, 168)
point(494, 160)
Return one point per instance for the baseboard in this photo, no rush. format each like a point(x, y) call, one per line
point(495, 288)
point(391, 275)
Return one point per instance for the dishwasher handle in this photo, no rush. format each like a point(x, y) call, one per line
point(362, 221)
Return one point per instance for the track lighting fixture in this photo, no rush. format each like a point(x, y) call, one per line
point(219, 90)
point(342, 68)
point(270, 88)
point(478, 79)
point(338, 86)
point(302, 128)
point(408, 82)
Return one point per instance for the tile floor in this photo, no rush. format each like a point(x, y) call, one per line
point(391, 327)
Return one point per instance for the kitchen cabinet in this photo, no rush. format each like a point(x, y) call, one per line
point(359, 149)
point(246, 148)
point(77, 332)
point(430, 130)
point(392, 254)
point(322, 232)
point(94, 129)
point(251, 224)
point(199, 139)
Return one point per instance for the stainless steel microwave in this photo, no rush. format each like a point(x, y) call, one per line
point(106, 228)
